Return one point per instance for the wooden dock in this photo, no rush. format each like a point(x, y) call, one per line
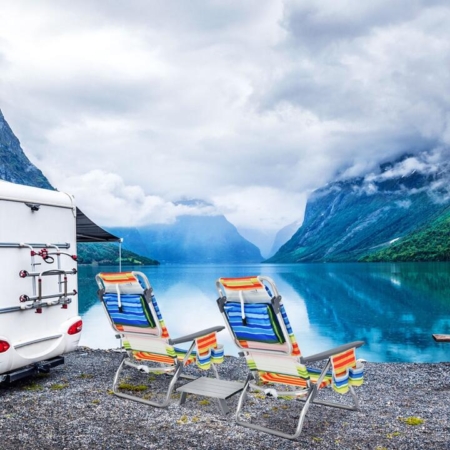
point(441, 337)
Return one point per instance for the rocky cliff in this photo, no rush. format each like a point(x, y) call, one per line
point(350, 219)
point(14, 164)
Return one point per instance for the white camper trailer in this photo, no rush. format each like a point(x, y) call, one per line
point(39, 318)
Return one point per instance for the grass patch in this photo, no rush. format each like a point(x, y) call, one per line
point(204, 402)
point(414, 421)
point(182, 420)
point(33, 387)
point(132, 387)
point(86, 376)
point(394, 434)
point(59, 386)
point(259, 395)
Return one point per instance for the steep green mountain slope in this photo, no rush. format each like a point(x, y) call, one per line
point(191, 239)
point(350, 219)
point(284, 235)
point(430, 243)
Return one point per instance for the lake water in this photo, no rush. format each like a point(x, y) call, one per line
point(394, 308)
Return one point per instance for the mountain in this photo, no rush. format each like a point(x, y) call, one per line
point(284, 235)
point(107, 253)
point(191, 239)
point(263, 239)
point(349, 220)
point(429, 243)
point(14, 165)
point(17, 168)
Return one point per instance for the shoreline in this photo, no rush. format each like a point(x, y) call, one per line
point(72, 408)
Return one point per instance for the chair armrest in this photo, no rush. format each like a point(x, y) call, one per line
point(334, 351)
point(191, 337)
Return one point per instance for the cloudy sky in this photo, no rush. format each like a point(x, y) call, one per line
point(133, 105)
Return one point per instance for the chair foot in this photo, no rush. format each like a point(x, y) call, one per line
point(162, 404)
point(354, 407)
point(311, 398)
point(272, 431)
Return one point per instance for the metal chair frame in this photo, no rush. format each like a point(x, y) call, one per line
point(174, 370)
point(310, 392)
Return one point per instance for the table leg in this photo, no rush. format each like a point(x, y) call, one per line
point(182, 398)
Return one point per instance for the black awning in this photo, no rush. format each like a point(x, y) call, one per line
point(88, 231)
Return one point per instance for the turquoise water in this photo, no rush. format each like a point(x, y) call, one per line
point(394, 308)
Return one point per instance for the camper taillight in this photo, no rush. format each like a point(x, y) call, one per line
point(75, 328)
point(4, 346)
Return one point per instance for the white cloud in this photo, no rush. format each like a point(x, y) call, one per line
point(106, 197)
point(402, 169)
point(249, 105)
point(260, 207)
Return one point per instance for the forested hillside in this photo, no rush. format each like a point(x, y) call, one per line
point(430, 243)
point(108, 254)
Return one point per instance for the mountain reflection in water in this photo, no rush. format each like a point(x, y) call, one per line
point(394, 308)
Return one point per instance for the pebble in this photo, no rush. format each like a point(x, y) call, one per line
point(72, 408)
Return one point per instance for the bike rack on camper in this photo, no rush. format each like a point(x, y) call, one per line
point(39, 319)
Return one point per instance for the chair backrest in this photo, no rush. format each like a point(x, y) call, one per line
point(130, 304)
point(134, 313)
point(256, 318)
point(255, 315)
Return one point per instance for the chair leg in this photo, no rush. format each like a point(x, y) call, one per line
point(310, 398)
point(135, 398)
point(216, 373)
point(355, 399)
point(118, 372)
point(242, 398)
point(354, 407)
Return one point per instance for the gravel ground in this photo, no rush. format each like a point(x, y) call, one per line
point(72, 408)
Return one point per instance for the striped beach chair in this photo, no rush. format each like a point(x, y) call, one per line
point(256, 318)
point(134, 315)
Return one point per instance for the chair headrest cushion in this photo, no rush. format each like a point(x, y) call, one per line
point(126, 281)
point(251, 289)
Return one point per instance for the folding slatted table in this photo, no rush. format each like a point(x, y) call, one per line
point(212, 387)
